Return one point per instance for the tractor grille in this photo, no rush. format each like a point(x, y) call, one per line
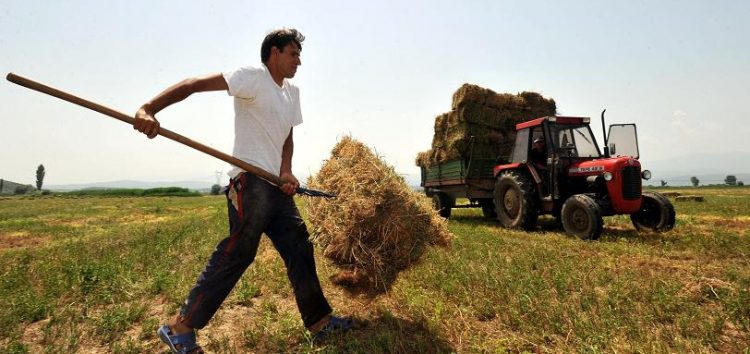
point(631, 182)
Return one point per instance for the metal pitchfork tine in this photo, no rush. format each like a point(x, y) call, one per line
point(31, 84)
point(314, 193)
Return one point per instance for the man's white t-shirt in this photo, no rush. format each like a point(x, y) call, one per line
point(264, 114)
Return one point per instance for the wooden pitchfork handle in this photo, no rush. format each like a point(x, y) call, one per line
point(162, 131)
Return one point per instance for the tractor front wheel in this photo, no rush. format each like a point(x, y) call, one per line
point(582, 217)
point(515, 201)
point(656, 213)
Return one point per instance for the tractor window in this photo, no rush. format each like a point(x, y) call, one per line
point(623, 140)
point(585, 142)
point(564, 139)
point(575, 141)
point(520, 150)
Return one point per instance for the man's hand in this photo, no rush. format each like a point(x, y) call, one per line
point(146, 123)
point(290, 183)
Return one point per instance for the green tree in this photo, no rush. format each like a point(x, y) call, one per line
point(731, 180)
point(215, 189)
point(39, 177)
point(694, 180)
point(740, 183)
point(663, 183)
point(1, 185)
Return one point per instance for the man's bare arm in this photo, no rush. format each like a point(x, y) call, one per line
point(290, 181)
point(287, 152)
point(146, 123)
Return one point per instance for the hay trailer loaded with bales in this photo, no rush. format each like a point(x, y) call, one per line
point(574, 182)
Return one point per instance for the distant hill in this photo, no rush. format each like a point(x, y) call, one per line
point(9, 187)
point(192, 185)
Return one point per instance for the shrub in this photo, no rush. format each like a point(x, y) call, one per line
point(22, 189)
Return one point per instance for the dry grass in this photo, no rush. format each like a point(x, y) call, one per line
point(378, 226)
point(105, 287)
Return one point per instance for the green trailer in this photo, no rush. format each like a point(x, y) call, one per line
point(469, 178)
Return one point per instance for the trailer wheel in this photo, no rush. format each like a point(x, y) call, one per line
point(656, 214)
point(582, 217)
point(443, 204)
point(488, 208)
point(515, 202)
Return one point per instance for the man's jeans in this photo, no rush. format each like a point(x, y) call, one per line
point(257, 207)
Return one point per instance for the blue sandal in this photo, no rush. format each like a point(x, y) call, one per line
point(336, 324)
point(185, 342)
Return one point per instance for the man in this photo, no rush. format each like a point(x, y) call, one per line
point(538, 153)
point(538, 158)
point(267, 108)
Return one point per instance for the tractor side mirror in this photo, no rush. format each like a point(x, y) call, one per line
point(612, 149)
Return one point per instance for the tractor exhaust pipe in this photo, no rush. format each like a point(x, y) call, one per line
point(604, 131)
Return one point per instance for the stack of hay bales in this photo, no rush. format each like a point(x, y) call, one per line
point(489, 117)
point(689, 198)
point(377, 226)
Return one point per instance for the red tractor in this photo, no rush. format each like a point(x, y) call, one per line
point(556, 168)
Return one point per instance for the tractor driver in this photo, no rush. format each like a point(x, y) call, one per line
point(538, 154)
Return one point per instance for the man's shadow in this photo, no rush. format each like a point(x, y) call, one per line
point(387, 333)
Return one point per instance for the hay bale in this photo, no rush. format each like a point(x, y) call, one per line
point(689, 198)
point(506, 101)
point(441, 122)
point(469, 93)
point(537, 104)
point(479, 115)
point(424, 158)
point(377, 226)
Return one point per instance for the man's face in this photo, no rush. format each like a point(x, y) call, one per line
point(538, 146)
point(287, 60)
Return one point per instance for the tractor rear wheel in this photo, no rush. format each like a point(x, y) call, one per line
point(443, 204)
point(656, 214)
point(582, 217)
point(515, 201)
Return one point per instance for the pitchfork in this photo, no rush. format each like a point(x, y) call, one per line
point(163, 132)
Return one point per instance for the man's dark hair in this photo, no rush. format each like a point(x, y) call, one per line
point(279, 39)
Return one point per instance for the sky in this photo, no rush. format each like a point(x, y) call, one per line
point(380, 71)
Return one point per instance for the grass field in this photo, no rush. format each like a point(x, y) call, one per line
point(98, 275)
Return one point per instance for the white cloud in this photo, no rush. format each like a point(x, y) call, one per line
point(681, 122)
point(679, 117)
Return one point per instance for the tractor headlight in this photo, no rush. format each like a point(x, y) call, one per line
point(646, 174)
point(607, 176)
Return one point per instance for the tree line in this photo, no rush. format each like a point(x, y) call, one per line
point(21, 189)
point(730, 180)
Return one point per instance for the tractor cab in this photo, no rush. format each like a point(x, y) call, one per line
point(571, 138)
point(556, 168)
point(568, 137)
